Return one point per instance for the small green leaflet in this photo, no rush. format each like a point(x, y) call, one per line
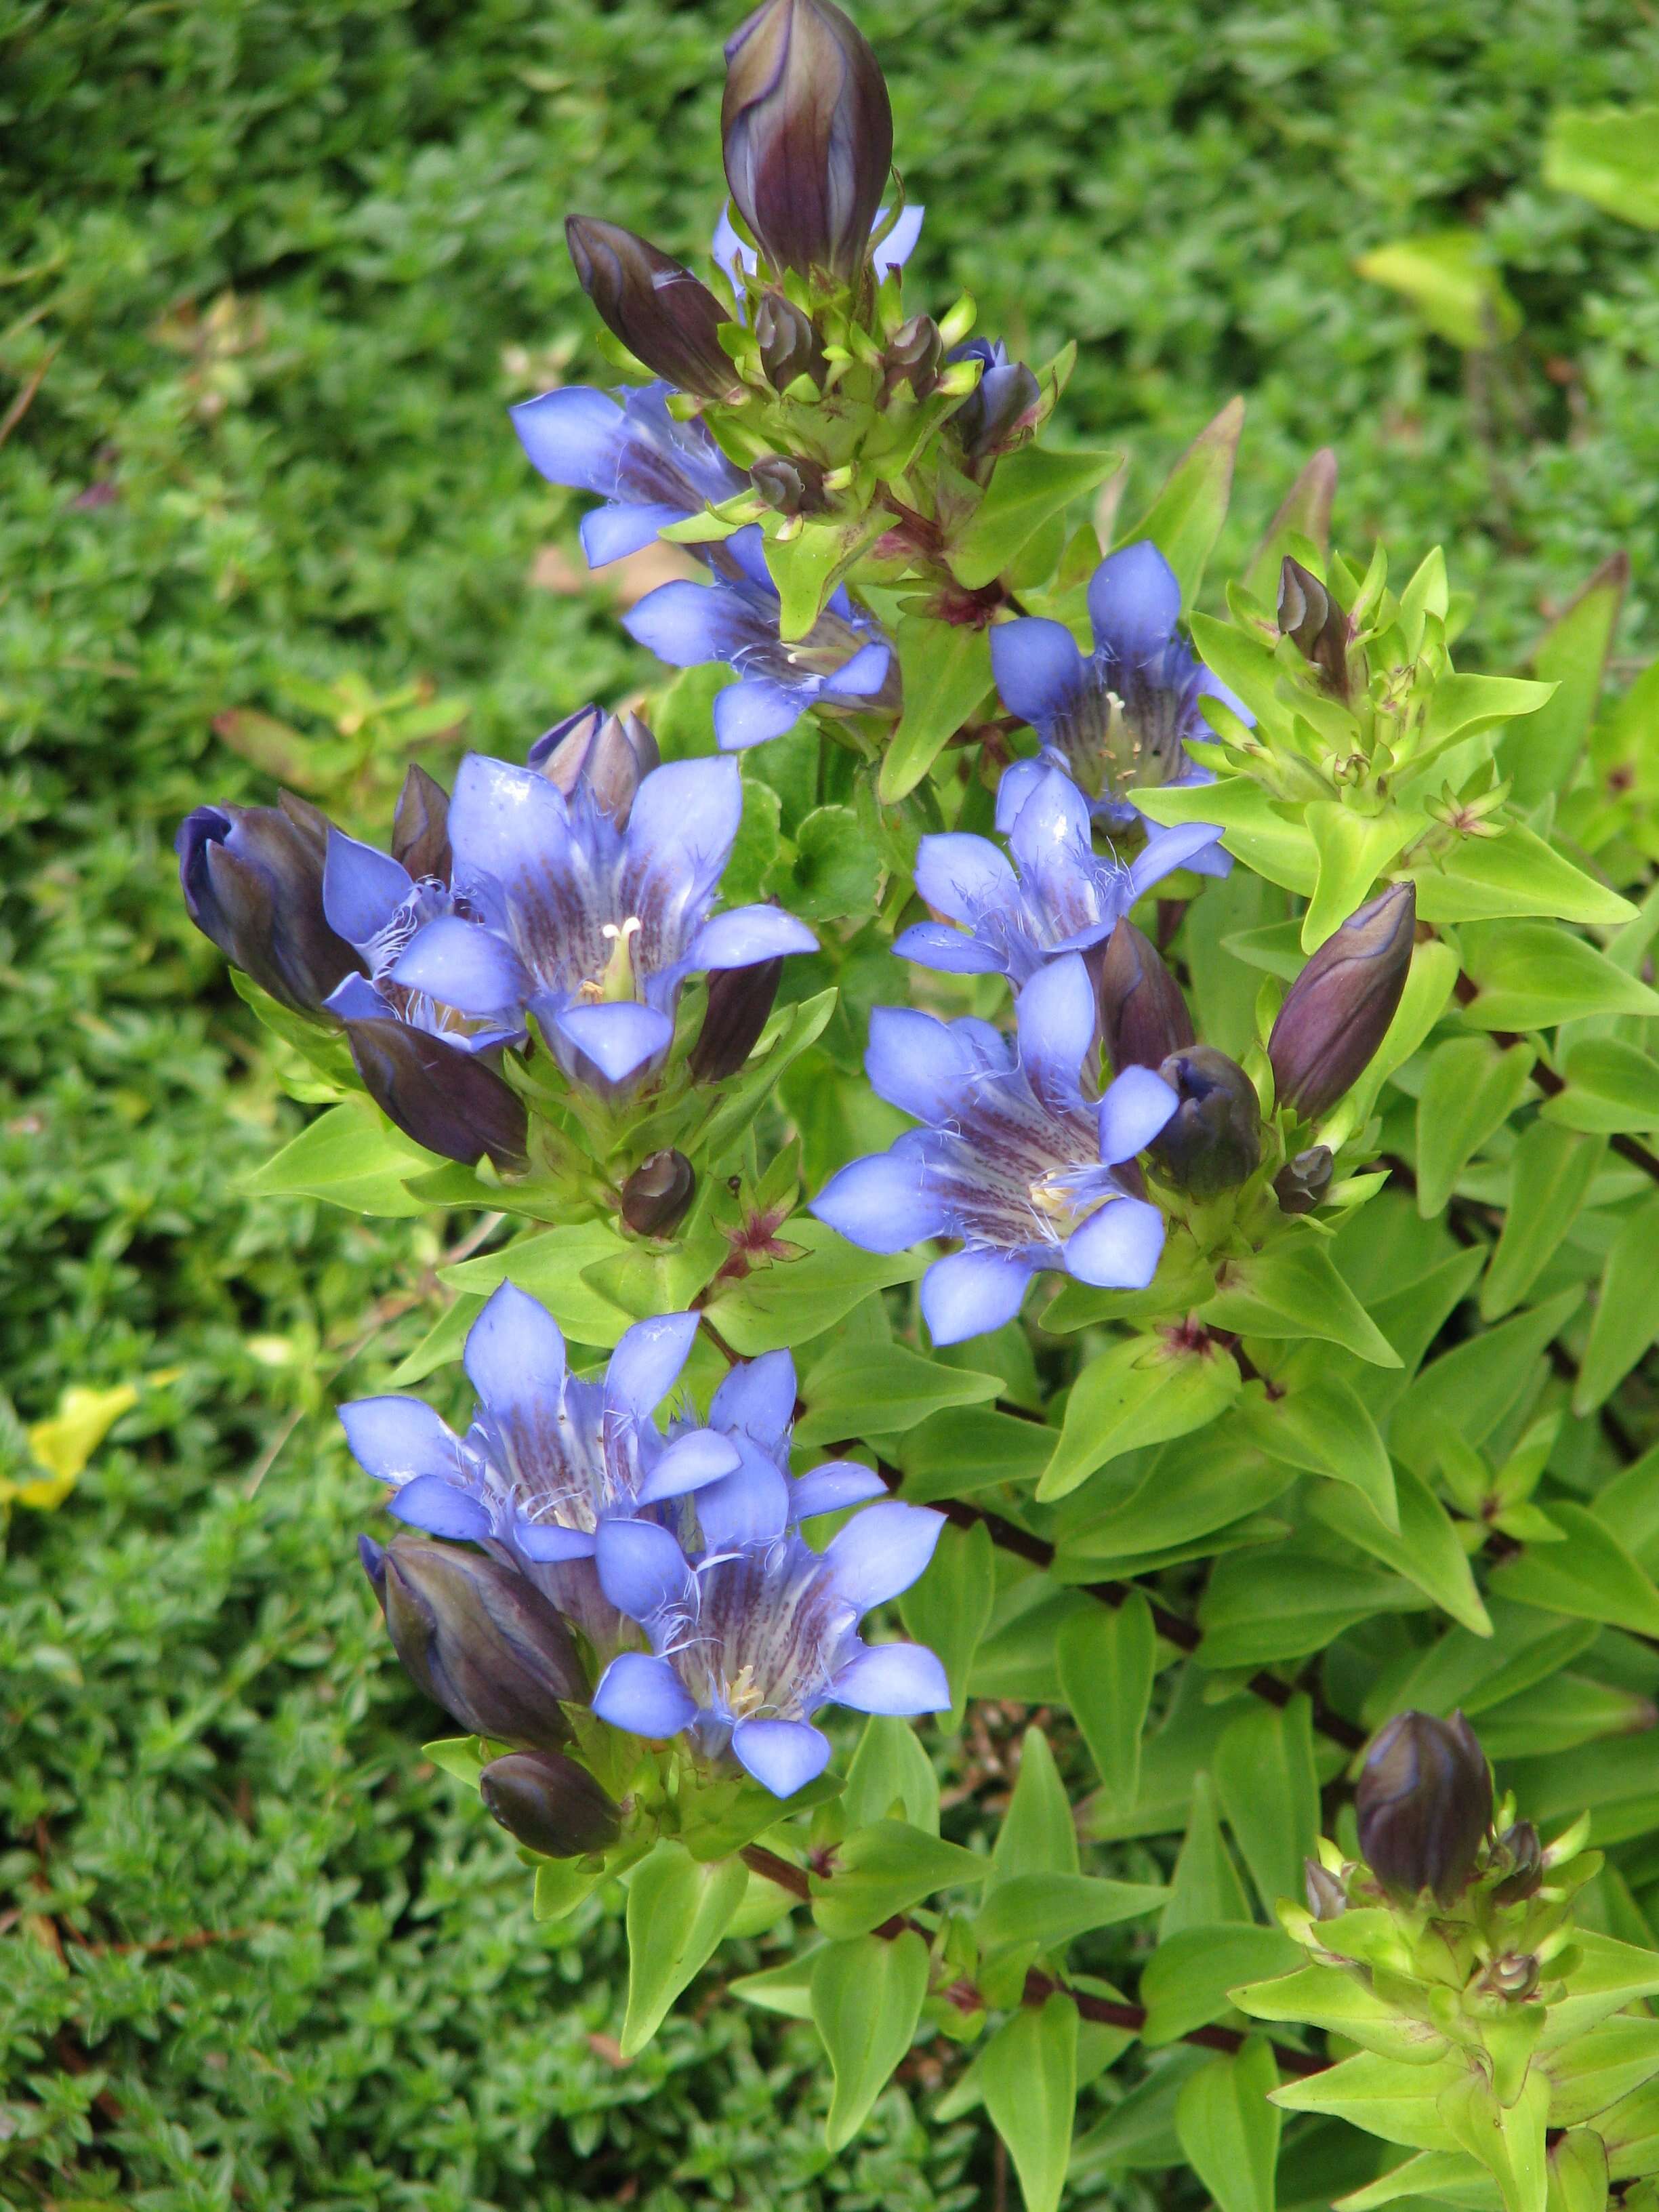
point(1268, 1787)
point(353, 1157)
point(678, 1911)
point(949, 1608)
point(1028, 2078)
point(1029, 488)
point(1140, 1391)
point(1185, 519)
point(1293, 1289)
point(867, 1996)
point(886, 1869)
point(1107, 1658)
point(946, 672)
point(1230, 2130)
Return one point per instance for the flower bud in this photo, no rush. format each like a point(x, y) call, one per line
point(1143, 1016)
point(1525, 1852)
point(1423, 1805)
point(444, 1099)
point(790, 484)
point(547, 1802)
point(1515, 1976)
point(656, 1196)
point(1302, 1183)
point(480, 1640)
point(420, 828)
point(913, 356)
point(1327, 1898)
point(1313, 623)
point(1337, 1012)
point(740, 1001)
point(1000, 412)
point(252, 881)
point(789, 343)
point(807, 132)
point(612, 754)
point(1213, 1141)
point(663, 315)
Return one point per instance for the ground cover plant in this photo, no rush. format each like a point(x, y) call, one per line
point(1183, 1539)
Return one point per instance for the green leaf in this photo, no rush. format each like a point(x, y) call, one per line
point(1353, 850)
point(884, 1869)
point(1451, 279)
point(879, 1390)
point(1396, 2100)
point(552, 1266)
point(1049, 1909)
point(1028, 2074)
point(1142, 1390)
point(1303, 513)
point(1344, 2005)
point(1468, 1389)
point(1469, 1090)
point(1261, 1607)
point(1292, 1289)
point(1107, 1659)
point(789, 1033)
point(1450, 2177)
point(1540, 758)
point(457, 1756)
point(561, 1886)
point(1509, 2142)
point(837, 869)
point(1324, 1427)
point(1549, 1180)
point(891, 1777)
point(748, 873)
point(1268, 1786)
point(807, 567)
point(954, 1453)
point(1138, 2133)
point(1591, 1577)
point(1425, 1549)
point(946, 671)
point(1484, 878)
point(866, 1998)
point(441, 1345)
point(790, 1302)
point(1191, 1488)
point(1272, 840)
point(786, 1988)
point(1627, 1318)
point(1186, 1982)
point(1532, 977)
point(1610, 1088)
point(678, 1911)
point(1430, 983)
point(1604, 155)
point(1463, 705)
point(1206, 1886)
point(1037, 1835)
point(1185, 519)
point(949, 1608)
point(1029, 488)
point(1229, 2131)
point(353, 1157)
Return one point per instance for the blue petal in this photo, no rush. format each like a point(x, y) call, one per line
point(515, 1357)
point(1019, 780)
point(644, 1696)
point(356, 1000)
point(752, 712)
point(507, 825)
point(1118, 1247)
point(1136, 1106)
point(747, 934)
point(463, 965)
point(363, 888)
point(893, 1678)
point(971, 1293)
point(900, 242)
point(688, 1463)
point(646, 1362)
point(683, 823)
point(642, 1571)
point(866, 672)
point(962, 876)
point(730, 252)
point(1055, 1022)
point(1038, 669)
point(572, 436)
point(938, 945)
point(611, 534)
point(1052, 828)
point(548, 1543)
point(395, 1439)
point(920, 1064)
point(882, 1202)
point(881, 1551)
point(1165, 850)
point(1134, 602)
point(757, 1397)
point(684, 623)
point(437, 1506)
point(829, 1488)
point(749, 1507)
point(1212, 687)
point(619, 1038)
point(783, 1756)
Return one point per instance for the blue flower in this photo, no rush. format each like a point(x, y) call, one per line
point(548, 1459)
point(755, 1410)
point(1121, 715)
point(843, 664)
point(1011, 1157)
point(649, 469)
point(590, 925)
point(1058, 895)
point(751, 1636)
point(1000, 411)
point(740, 259)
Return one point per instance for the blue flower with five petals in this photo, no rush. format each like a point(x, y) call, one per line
point(649, 469)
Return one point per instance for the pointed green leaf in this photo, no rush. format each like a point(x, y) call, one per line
point(879, 1390)
point(1353, 851)
point(1450, 2177)
point(1610, 1088)
point(1604, 155)
point(1272, 840)
point(1532, 977)
point(1468, 1389)
point(1292, 1289)
point(949, 1608)
point(789, 1301)
point(1185, 519)
point(1324, 1427)
point(1591, 1576)
point(1028, 2074)
point(946, 671)
point(1107, 1660)
point(1469, 1090)
point(1386, 2097)
point(1518, 873)
point(1626, 1309)
point(1508, 2141)
point(1049, 1909)
point(1343, 2005)
point(807, 567)
point(866, 1998)
point(678, 1911)
point(1541, 755)
point(1185, 1983)
point(1229, 2131)
point(1206, 1886)
point(1463, 705)
point(1268, 1786)
point(883, 1869)
point(1424, 1549)
point(954, 1453)
point(891, 1777)
point(1029, 488)
point(786, 1988)
point(352, 1158)
point(1038, 1835)
point(1142, 1390)
point(1451, 279)
point(1549, 1179)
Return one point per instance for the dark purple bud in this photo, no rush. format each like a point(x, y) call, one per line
point(612, 753)
point(482, 1641)
point(1302, 1183)
point(1001, 410)
point(420, 828)
point(444, 1099)
point(656, 1196)
point(1520, 1844)
point(665, 316)
point(789, 343)
point(252, 881)
point(789, 484)
point(1143, 1016)
point(547, 1802)
point(1337, 1012)
point(808, 136)
point(1423, 1805)
point(740, 1001)
point(373, 1556)
point(1212, 1142)
point(913, 356)
point(1327, 1898)
point(1313, 623)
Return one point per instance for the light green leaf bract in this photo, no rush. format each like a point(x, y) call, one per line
point(1107, 1658)
point(789, 1301)
point(1049, 1909)
point(949, 1608)
point(1591, 1576)
point(1230, 2130)
point(1185, 519)
point(678, 1911)
point(1293, 1289)
point(1532, 977)
point(1470, 1090)
point(867, 1996)
point(1324, 1427)
point(1268, 1786)
point(1185, 1983)
point(1483, 877)
point(884, 1869)
point(351, 1157)
point(1028, 488)
point(879, 1390)
point(1604, 155)
point(1028, 2077)
point(1143, 1390)
point(946, 669)
point(1424, 1549)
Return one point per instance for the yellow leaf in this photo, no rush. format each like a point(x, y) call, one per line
point(64, 1444)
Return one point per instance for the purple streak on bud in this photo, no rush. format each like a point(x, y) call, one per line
point(656, 1196)
point(1314, 624)
point(1423, 1804)
point(789, 484)
point(1520, 1845)
point(547, 1802)
point(447, 1100)
point(1338, 1011)
point(420, 828)
point(252, 881)
point(612, 753)
point(1327, 1898)
point(913, 357)
point(1302, 1183)
point(807, 131)
point(1213, 1141)
point(1143, 1016)
point(789, 343)
point(740, 1001)
point(663, 315)
point(1000, 412)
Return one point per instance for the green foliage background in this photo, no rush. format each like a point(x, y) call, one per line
point(200, 1731)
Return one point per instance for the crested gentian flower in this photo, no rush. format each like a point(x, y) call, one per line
point(1121, 715)
point(1013, 1157)
point(843, 664)
point(740, 259)
point(1058, 896)
point(649, 469)
point(548, 1459)
point(591, 927)
point(749, 1638)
